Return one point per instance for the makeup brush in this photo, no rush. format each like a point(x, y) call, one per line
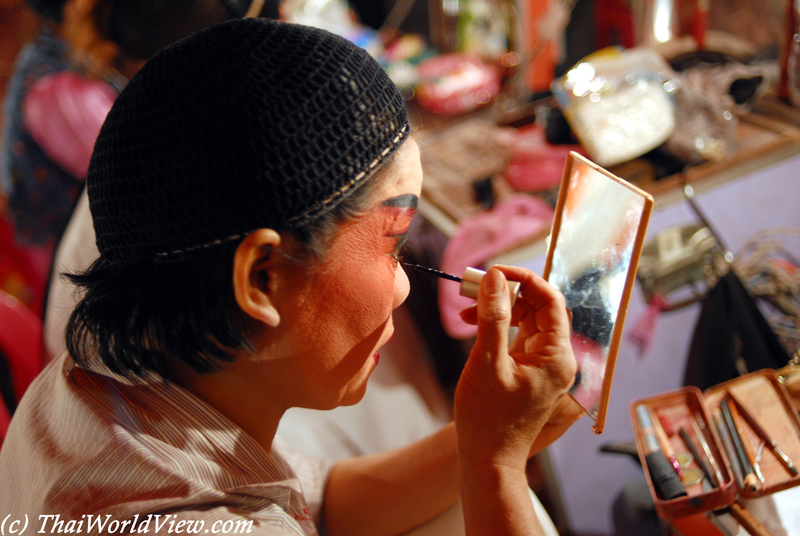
point(770, 442)
point(470, 281)
point(699, 428)
point(666, 446)
point(727, 444)
point(706, 468)
point(748, 472)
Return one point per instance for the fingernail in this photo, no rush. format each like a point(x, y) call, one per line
point(496, 283)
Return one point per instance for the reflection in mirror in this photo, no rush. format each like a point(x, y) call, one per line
point(594, 249)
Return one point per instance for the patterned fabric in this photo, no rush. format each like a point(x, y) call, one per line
point(86, 445)
point(40, 193)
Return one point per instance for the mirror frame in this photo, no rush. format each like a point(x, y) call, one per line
point(575, 159)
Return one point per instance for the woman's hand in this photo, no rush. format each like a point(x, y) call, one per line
point(564, 415)
point(508, 392)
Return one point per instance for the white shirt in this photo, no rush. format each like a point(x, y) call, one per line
point(86, 445)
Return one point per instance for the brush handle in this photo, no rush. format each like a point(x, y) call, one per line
point(699, 428)
point(748, 473)
point(757, 428)
point(666, 446)
point(700, 460)
point(471, 284)
point(727, 445)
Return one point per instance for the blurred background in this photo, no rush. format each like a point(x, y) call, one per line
point(694, 101)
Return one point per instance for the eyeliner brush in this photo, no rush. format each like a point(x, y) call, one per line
point(470, 281)
point(437, 273)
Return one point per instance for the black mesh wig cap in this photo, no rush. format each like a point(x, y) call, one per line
point(248, 124)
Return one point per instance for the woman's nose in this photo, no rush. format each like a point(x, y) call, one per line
point(401, 286)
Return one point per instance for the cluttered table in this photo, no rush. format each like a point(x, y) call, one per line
point(703, 134)
point(494, 177)
point(472, 162)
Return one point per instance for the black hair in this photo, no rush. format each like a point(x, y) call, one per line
point(136, 316)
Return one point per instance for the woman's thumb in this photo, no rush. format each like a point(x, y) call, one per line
point(494, 315)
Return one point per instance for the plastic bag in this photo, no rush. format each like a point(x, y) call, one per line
point(618, 103)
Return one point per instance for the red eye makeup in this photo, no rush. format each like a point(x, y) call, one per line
point(399, 212)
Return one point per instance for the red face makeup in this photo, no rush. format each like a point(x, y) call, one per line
point(399, 212)
point(346, 314)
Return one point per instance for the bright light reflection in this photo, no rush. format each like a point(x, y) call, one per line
point(662, 20)
point(579, 79)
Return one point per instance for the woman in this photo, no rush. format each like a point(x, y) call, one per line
point(250, 191)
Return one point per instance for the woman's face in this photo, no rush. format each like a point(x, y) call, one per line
point(344, 311)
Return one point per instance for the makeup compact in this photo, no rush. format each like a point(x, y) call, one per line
point(593, 253)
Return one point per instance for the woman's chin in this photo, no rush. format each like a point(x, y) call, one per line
point(356, 391)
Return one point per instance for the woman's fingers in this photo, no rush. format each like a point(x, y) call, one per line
point(544, 299)
point(494, 314)
point(539, 305)
point(566, 412)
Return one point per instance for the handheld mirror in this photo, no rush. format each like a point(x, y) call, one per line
point(595, 244)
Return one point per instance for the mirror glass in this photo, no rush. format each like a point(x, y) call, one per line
point(594, 250)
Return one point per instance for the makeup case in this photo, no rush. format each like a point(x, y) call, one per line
point(790, 378)
point(766, 397)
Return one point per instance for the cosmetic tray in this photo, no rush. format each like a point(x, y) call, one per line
point(765, 396)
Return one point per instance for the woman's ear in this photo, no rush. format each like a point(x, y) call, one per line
point(253, 267)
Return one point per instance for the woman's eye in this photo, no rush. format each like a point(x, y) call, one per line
point(398, 213)
point(398, 250)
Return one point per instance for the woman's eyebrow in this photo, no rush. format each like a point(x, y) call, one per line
point(405, 201)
